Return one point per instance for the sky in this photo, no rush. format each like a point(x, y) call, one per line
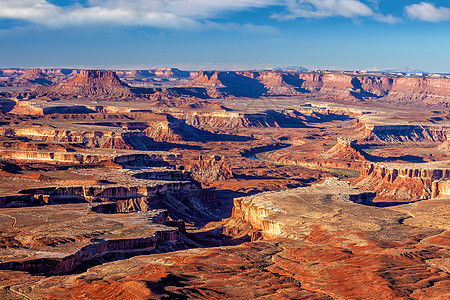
point(226, 34)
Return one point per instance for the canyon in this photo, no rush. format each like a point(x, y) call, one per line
point(171, 184)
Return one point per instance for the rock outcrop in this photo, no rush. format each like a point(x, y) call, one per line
point(338, 85)
point(105, 193)
point(68, 255)
point(88, 83)
point(407, 133)
point(269, 211)
point(347, 152)
point(404, 182)
point(113, 139)
point(208, 169)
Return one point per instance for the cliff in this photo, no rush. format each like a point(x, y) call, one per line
point(401, 133)
point(105, 193)
point(347, 86)
point(286, 213)
point(337, 85)
point(55, 250)
point(101, 138)
point(404, 182)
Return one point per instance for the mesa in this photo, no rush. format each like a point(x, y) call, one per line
point(171, 184)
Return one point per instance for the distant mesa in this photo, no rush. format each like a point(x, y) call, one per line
point(36, 76)
point(404, 70)
point(33, 74)
point(171, 72)
point(137, 74)
point(291, 68)
point(170, 83)
point(164, 73)
point(88, 83)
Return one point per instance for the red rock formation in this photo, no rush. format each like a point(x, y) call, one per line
point(209, 169)
point(403, 182)
point(406, 132)
point(338, 85)
point(88, 83)
point(346, 151)
point(33, 74)
point(227, 119)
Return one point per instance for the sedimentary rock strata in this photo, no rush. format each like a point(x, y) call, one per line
point(136, 184)
point(52, 247)
point(404, 181)
point(209, 169)
point(392, 88)
point(89, 83)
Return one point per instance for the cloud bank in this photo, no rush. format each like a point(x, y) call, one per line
point(197, 14)
point(331, 8)
point(425, 11)
point(154, 13)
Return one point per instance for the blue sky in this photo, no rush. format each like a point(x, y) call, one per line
point(226, 34)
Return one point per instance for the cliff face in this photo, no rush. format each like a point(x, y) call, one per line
point(125, 139)
point(257, 215)
point(85, 255)
point(171, 72)
point(441, 188)
point(228, 120)
point(36, 76)
point(275, 214)
point(407, 133)
point(337, 85)
point(404, 181)
point(252, 84)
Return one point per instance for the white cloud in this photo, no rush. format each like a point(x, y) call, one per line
point(428, 12)
point(390, 19)
point(331, 8)
point(31, 10)
point(155, 13)
point(185, 14)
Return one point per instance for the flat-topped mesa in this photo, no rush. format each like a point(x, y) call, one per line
point(33, 74)
point(377, 127)
point(99, 138)
point(88, 83)
point(272, 212)
point(404, 181)
point(136, 74)
point(72, 244)
point(171, 73)
point(105, 193)
point(226, 119)
point(78, 158)
point(96, 78)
